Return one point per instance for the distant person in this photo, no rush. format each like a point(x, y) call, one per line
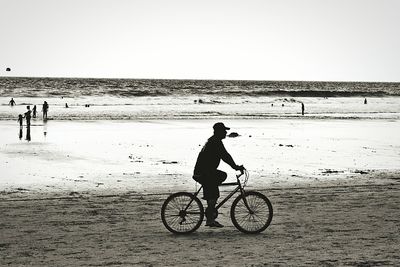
point(20, 119)
point(34, 111)
point(28, 116)
point(302, 108)
point(66, 105)
point(12, 102)
point(207, 174)
point(45, 108)
point(365, 101)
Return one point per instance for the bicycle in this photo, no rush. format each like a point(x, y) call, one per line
point(251, 211)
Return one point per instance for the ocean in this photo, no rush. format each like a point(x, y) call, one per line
point(70, 87)
point(136, 99)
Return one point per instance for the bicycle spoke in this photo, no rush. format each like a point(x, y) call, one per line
point(174, 203)
point(243, 218)
point(173, 221)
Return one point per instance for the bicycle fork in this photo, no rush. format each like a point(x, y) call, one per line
point(245, 201)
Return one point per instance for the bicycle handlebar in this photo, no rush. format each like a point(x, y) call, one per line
point(241, 171)
point(246, 173)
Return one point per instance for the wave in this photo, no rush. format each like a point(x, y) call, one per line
point(69, 87)
point(307, 93)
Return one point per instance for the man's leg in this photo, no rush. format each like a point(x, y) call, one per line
point(210, 211)
point(211, 214)
point(210, 197)
point(211, 194)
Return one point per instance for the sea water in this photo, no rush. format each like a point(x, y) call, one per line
point(130, 99)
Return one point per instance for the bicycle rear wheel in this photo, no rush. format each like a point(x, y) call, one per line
point(255, 220)
point(182, 213)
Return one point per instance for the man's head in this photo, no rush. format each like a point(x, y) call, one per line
point(28, 107)
point(220, 130)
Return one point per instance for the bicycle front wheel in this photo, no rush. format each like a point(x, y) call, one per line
point(182, 213)
point(256, 217)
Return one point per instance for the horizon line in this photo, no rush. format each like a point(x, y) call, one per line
point(198, 79)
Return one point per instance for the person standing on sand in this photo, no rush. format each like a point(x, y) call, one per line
point(34, 111)
point(20, 120)
point(12, 102)
point(207, 174)
point(302, 108)
point(45, 108)
point(28, 116)
point(365, 101)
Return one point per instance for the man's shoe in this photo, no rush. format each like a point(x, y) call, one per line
point(214, 224)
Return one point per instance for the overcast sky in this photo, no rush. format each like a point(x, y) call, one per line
point(335, 40)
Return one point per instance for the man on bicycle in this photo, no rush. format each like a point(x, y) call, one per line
point(207, 174)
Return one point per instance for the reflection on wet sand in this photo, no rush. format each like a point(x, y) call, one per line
point(45, 127)
point(28, 136)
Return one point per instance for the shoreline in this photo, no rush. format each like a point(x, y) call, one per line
point(210, 107)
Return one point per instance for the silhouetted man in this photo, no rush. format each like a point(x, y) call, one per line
point(28, 116)
point(206, 173)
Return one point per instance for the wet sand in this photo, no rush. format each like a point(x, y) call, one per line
point(159, 156)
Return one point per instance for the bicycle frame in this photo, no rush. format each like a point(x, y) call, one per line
point(234, 191)
point(238, 188)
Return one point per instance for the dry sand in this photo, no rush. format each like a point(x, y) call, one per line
point(312, 226)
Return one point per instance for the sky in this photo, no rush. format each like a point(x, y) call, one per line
point(320, 40)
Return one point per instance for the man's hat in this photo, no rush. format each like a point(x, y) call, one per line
point(220, 126)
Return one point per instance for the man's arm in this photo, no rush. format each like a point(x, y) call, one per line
point(226, 157)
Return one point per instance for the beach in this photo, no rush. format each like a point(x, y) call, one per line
point(107, 108)
point(86, 186)
point(90, 192)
